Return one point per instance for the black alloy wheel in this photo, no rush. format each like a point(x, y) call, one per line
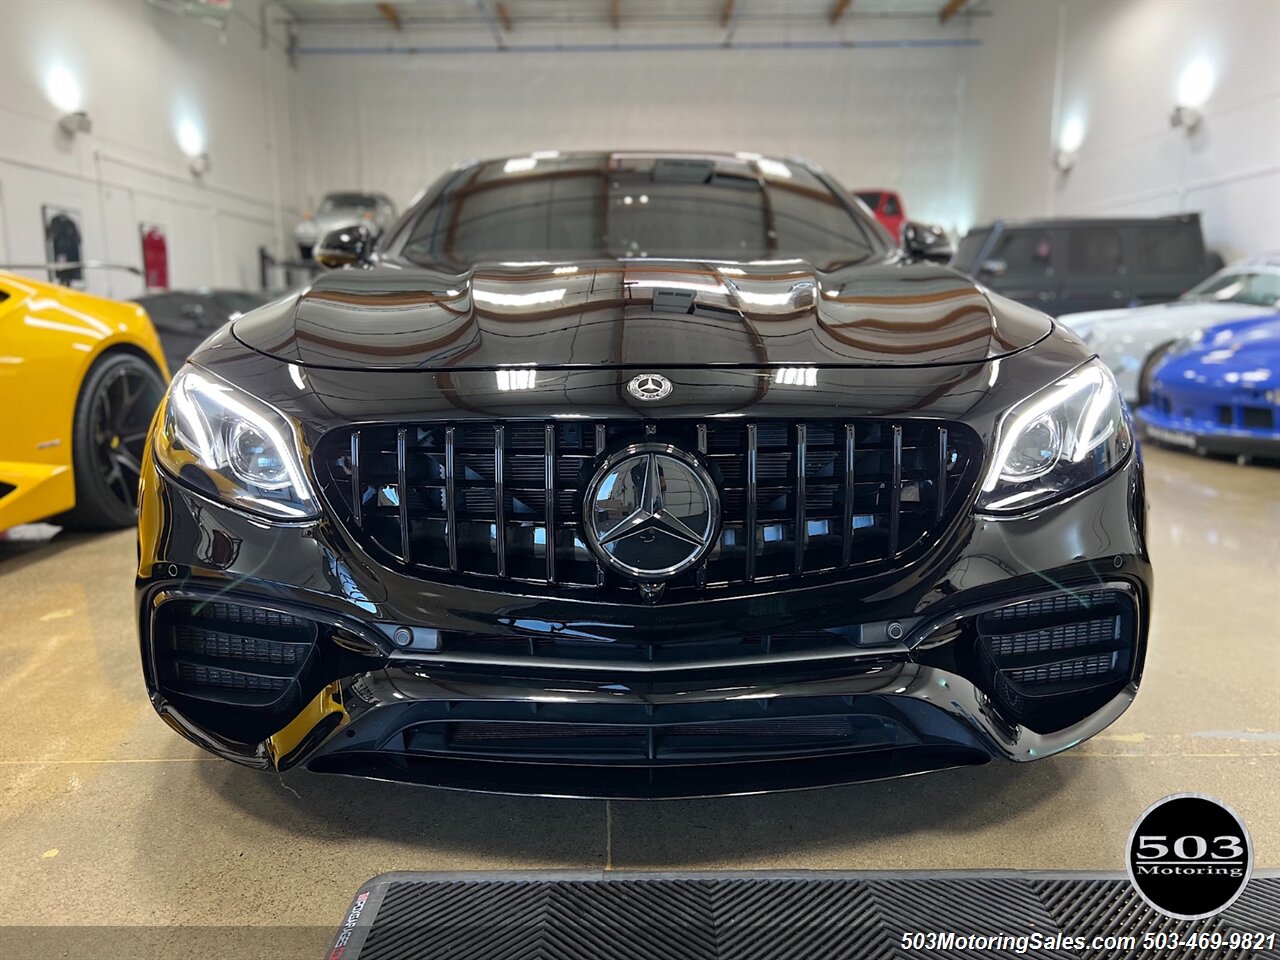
point(117, 401)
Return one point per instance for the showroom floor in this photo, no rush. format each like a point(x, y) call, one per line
point(107, 817)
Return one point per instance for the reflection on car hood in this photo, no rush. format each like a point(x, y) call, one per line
point(1230, 356)
point(638, 313)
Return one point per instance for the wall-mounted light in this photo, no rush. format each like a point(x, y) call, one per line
point(63, 90)
point(73, 123)
point(1188, 118)
point(1194, 86)
point(1070, 139)
point(200, 164)
point(191, 142)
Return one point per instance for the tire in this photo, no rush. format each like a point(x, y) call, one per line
point(1148, 371)
point(118, 398)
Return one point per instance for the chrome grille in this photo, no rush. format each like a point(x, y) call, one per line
point(503, 499)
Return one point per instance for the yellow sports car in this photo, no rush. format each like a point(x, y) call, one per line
point(80, 378)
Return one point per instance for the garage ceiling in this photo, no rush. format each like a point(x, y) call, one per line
point(512, 14)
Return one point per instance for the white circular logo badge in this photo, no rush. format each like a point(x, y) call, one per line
point(649, 386)
point(1189, 856)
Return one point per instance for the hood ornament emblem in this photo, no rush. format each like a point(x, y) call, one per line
point(651, 513)
point(649, 386)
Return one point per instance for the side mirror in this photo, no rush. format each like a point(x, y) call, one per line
point(345, 247)
point(993, 268)
point(923, 241)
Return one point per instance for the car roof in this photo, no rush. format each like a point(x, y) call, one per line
point(716, 156)
point(1050, 223)
point(1266, 261)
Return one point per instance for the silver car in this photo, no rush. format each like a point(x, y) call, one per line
point(1133, 342)
point(344, 208)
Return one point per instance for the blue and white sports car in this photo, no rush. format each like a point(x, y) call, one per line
point(1132, 342)
point(1218, 391)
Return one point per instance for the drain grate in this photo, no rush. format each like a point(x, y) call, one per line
point(729, 916)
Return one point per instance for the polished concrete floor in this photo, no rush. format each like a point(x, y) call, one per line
point(108, 819)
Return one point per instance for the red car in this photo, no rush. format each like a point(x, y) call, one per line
point(887, 206)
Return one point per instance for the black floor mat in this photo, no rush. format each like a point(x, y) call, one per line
point(796, 916)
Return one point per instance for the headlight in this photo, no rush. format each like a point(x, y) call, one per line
point(306, 229)
point(1056, 442)
point(232, 447)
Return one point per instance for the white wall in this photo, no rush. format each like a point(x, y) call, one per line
point(965, 133)
point(873, 117)
point(142, 70)
point(1115, 65)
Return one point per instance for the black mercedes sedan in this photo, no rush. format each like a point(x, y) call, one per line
point(640, 474)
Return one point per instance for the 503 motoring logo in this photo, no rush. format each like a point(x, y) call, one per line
point(1190, 856)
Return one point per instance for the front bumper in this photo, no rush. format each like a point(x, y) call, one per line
point(917, 697)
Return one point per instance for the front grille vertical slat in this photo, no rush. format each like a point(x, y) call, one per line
point(850, 476)
point(601, 440)
point(701, 433)
point(450, 495)
point(357, 490)
point(940, 498)
point(500, 498)
point(549, 455)
point(402, 492)
point(803, 497)
point(895, 491)
point(801, 467)
point(750, 519)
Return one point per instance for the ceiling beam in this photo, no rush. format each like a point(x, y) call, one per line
point(504, 16)
point(615, 13)
point(837, 10)
point(950, 10)
point(391, 14)
point(726, 13)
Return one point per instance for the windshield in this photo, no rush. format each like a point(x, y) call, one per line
point(348, 201)
point(585, 207)
point(1257, 289)
point(966, 256)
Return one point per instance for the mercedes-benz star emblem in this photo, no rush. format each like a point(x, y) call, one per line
point(652, 512)
point(649, 386)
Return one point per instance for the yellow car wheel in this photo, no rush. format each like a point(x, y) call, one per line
point(117, 400)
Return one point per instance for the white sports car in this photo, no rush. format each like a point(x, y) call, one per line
point(1133, 342)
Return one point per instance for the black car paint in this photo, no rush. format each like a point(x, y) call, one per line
point(402, 343)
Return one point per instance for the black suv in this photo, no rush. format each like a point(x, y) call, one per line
point(1066, 266)
point(646, 475)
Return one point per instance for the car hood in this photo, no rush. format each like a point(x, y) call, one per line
point(1241, 354)
point(638, 313)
